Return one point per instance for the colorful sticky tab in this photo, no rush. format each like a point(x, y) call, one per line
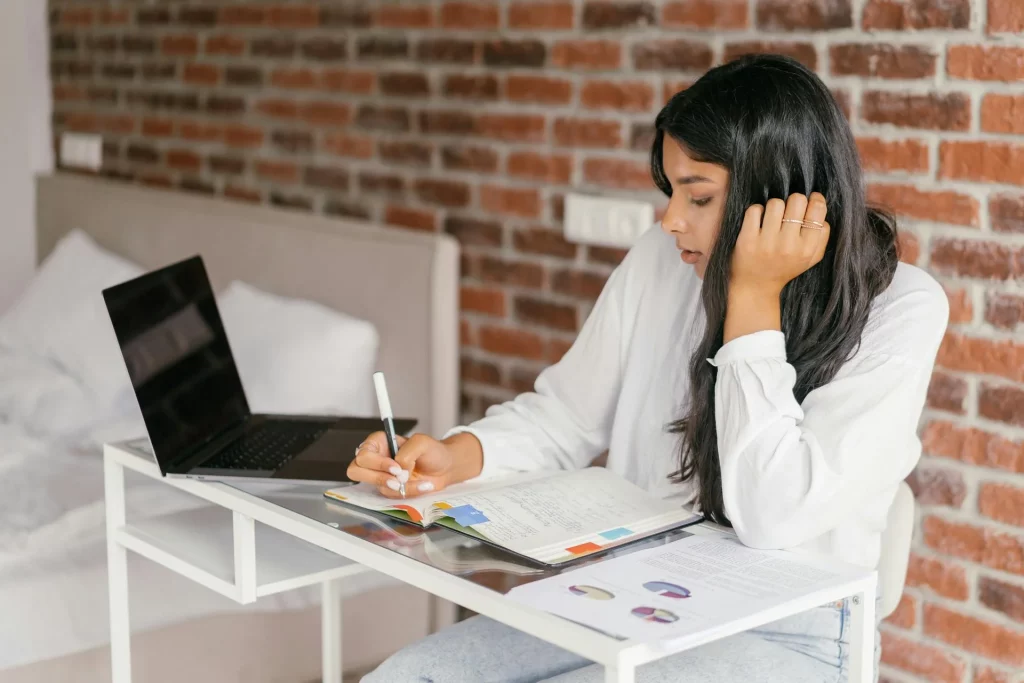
point(584, 548)
point(619, 532)
point(413, 513)
point(466, 515)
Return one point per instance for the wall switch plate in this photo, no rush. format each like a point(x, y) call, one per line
point(606, 221)
point(80, 150)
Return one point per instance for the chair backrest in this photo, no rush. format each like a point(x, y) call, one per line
point(892, 565)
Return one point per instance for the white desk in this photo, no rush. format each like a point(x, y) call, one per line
point(298, 549)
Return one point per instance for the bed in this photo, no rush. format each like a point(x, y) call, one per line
point(52, 573)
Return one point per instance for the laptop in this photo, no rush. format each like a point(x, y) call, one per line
point(188, 388)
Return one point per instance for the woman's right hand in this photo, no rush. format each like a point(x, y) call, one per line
point(424, 464)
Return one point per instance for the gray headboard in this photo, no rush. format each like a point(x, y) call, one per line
point(405, 282)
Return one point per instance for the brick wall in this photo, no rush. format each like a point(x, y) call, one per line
point(476, 117)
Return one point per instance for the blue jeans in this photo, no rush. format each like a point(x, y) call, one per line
point(812, 647)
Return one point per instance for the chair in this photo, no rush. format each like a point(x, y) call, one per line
point(892, 564)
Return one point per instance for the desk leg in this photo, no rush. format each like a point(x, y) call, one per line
point(862, 636)
point(117, 574)
point(330, 632)
point(619, 674)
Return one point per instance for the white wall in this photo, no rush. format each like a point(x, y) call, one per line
point(25, 147)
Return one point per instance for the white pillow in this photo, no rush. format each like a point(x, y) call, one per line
point(61, 315)
point(297, 356)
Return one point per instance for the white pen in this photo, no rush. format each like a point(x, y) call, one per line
point(384, 405)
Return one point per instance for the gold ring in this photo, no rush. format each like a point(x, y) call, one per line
point(812, 227)
point(792, 220)
point(820, 225)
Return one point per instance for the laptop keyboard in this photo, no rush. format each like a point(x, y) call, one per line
point(268, 447)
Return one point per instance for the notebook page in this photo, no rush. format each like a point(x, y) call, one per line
point(536, 515)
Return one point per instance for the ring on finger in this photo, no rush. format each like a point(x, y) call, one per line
point(792, 220)
point(809, 223)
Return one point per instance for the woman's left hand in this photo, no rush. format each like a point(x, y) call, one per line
point(772, 249)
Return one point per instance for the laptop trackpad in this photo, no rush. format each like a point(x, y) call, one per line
point(327, 458)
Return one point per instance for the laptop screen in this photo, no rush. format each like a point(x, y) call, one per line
point(178, 358)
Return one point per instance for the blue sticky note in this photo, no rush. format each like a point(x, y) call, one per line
point(618, 532)
point(466, 515)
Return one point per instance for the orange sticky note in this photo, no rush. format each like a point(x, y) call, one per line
point(583, 548)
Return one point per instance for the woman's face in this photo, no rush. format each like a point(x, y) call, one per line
point(694, 212)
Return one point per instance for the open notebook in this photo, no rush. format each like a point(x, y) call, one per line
point(548, 517)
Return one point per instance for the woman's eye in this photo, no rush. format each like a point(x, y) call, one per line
point(700, 202)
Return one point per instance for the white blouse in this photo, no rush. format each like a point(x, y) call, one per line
point(819, 475)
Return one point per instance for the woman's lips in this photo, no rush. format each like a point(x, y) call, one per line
point(689, 257)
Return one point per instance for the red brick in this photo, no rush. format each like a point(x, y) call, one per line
point(805, 53)
point(943, 578)
point(446, 50)
point(403, 17)
point(479, 371)
point(510, 201)
point(471, 86)
point(935, 486)
point(1006, 212)
point(224, 45)
point(404, 84)
point(796, 15)
point(474, 14)
point(916, 14)
point(1002, 403)
point(680, 55)
point(581, 284)
point(469, 158)
point(473, 232)
point(556, 349)
point(984, 673)
point(465, 333)
point(539, 312)
point(985, 62)
point(977, 258)
point(587, 54)
point(943, 206)
point(114, 16)
point(553, 168)
point(382, 183)
point(543, 241)
point(1005, 16)
point(631, 96)
point(201, 132)
point(325, 114)
point(447, 123)
point(1005, 311)
point(65, 92)
point(698, 14)
point(502, 53)
point(117, 123)
point(895, 155)
point(974, 635)
point(538, 89)
point(618, 173)
point(671, 88)
point(347, 145)
point(991, 548)
point(513, 273)
point(179, 46)
point(418, 219)
point(1002, 597)
point(961, 310)
point(1002, 113)
point(244, 194)
point(946, 111)
point(611, 256)
point(882, 61)
point(921, 659)
point(905, 614)
point(201, 74)
point(277, 171)
point(512, 127)
point(243, 15)
point(971, 354)
point(241, 136)
point(609, 14)
point(183, 160)
point(482, 300)
point(294, 16)
point(973, 446)
point(157, 128)
point(76, 16)
point(510, 342)
point(546, 14)
point(453, 193)
point(156, 180)
point(946, 392)
point(347, 80)
point(296, 79)
point(1003, 502)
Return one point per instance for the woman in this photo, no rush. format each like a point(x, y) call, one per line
point(776, 375)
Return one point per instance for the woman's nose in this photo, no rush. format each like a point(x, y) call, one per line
point(673, 220)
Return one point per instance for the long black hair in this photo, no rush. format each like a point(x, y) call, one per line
point(777, 129)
